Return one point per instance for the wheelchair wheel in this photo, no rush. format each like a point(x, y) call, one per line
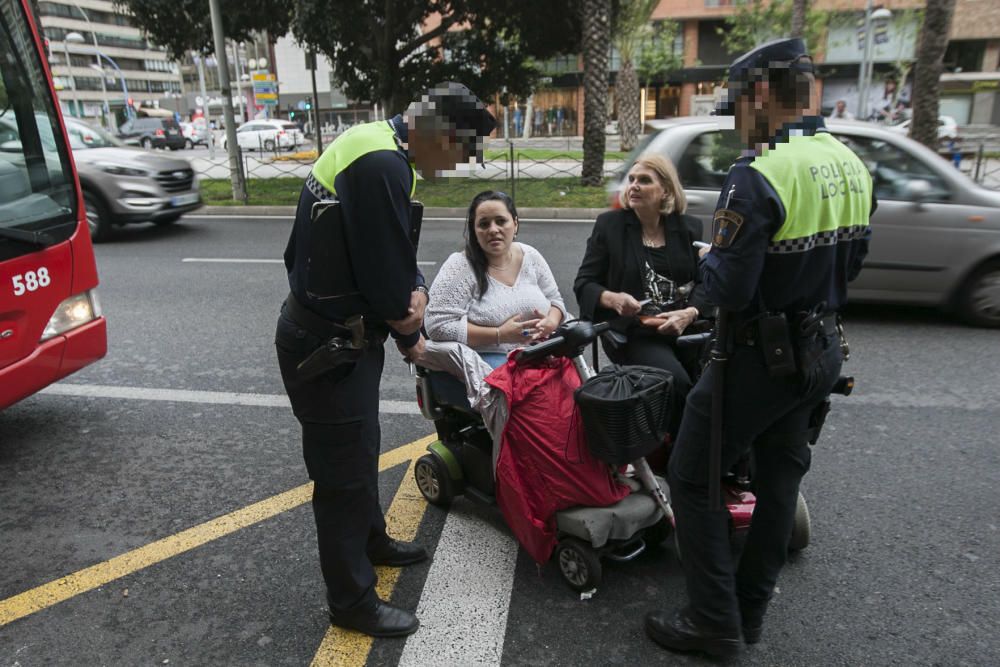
point(579, 564)
point(802, 527)
point(432, 479)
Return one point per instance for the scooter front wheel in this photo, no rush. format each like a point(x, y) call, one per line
point(579, 564)
point(431, 475)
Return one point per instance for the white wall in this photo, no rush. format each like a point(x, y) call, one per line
point(293, 77)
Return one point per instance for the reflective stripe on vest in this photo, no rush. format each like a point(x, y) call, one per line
point(825, 188)
point(352, 144)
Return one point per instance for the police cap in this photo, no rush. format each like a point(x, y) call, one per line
point(463, 112)
point(754, 66)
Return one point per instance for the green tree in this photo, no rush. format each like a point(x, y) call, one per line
point(184, 25)
point(596, 35)
point(379, 52)
point(630, 31)
point(756, 22)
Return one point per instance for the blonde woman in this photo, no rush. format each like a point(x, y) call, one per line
point(641, 271)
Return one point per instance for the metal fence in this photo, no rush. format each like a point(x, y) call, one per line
point(509, 167)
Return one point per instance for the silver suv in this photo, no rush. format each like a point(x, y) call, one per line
point(122, 185)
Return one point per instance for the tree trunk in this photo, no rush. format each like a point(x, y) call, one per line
point(627, 93)
point(596, 45)
point(799, 10)
point(927, 78)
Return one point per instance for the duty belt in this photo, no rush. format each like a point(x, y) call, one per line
point(323, 328)
point(745, 332)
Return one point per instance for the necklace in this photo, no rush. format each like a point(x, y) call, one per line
point(651, 242)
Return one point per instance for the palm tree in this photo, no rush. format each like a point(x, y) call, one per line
point(927, 81)
point(799, 10)
point(630, 33)
point(596, 38)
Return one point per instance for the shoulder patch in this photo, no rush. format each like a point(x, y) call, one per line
point(725, 226)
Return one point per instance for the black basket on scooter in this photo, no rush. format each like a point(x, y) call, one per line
point(625, 411)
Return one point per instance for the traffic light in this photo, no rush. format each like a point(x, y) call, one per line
point(308, 105)
point(291, 115)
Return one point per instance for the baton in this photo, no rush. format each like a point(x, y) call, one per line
point(718, 360)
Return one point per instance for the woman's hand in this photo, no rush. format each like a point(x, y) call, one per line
point(546, 324)
point(513, 330)
point(622, 303)
point(676, 321)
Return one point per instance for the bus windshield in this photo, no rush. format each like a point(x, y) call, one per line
point(38, 198)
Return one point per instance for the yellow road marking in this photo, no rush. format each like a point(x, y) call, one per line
point(345, 648)
point(54, 592)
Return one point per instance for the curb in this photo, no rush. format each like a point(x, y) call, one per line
point(289, 211)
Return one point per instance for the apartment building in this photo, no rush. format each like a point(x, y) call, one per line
point(105, 45)
point(970, 85)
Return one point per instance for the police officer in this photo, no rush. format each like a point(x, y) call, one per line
point(790, 230)
point(359, 259)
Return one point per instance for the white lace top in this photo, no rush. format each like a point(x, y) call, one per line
point(454, 298)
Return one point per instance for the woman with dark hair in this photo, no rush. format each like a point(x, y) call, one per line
point(498, 294)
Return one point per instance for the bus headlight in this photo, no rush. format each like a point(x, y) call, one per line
point(73, 312)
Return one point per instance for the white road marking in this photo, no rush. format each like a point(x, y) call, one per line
point(202, 397)
point(466, 598)
point(232, 260)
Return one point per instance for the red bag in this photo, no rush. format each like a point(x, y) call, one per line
point(544, 464)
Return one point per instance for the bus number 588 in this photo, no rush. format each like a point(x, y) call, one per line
point(31, 281)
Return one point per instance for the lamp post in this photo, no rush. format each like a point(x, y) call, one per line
point(97, 54)
point(76, 38)
point(865, 71)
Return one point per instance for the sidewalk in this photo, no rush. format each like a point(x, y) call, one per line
point(429, 213)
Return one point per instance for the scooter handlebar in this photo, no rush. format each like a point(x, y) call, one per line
point(567, 341)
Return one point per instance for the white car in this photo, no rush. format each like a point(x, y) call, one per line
point(267, 135)
point(947, 128)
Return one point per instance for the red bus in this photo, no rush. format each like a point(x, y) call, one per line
point(50, 320)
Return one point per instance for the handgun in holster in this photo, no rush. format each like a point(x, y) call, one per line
point(336, 355)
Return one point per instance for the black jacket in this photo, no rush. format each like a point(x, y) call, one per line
point(614, 261)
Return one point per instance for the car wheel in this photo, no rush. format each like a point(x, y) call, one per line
point(188, 144)
point(98, 218)
point(269, 145)
point(979, 297)
point(146, 143)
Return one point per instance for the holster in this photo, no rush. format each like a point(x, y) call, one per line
point(335, 355)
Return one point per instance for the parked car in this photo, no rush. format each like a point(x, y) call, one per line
point(123, 185)
point(935, 235)
point(267, 135)
point(947, 128)
point(195, 134)
point(152, 132)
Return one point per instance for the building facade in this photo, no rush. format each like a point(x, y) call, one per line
point(970, 85)
point(105, 46)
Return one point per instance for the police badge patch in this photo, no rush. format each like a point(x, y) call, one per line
point(725, 225)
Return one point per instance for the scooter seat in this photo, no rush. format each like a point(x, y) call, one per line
point(620, 521)
point(448, 391)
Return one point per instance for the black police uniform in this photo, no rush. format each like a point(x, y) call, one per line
point(751, 274)
point(339, 415)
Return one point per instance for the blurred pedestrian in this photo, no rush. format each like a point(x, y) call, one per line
point(840, 111)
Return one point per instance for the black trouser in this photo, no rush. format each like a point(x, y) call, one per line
point(653, 350)
point(340, 443)
point(755, 405)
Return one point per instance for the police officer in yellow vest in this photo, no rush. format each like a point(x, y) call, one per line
point(353, 277)
point(790, 231)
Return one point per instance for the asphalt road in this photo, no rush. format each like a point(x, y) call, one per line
point(99, 481)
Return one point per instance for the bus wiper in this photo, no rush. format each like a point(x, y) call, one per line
point(42, 239)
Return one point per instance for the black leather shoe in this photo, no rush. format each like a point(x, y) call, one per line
point(397, 554)
point(752, 615)
point(378, 620)
point(679, 632)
